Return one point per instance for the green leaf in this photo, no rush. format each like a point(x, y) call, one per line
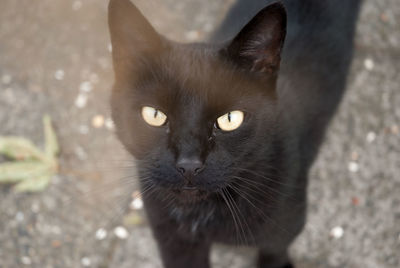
point(35, 184)
point(33, 169)
point(12, 172)
point(51, 144)
point(19, 149)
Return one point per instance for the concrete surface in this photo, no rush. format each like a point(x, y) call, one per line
point(54, 55)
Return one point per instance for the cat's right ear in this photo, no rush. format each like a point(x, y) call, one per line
point(132, 36)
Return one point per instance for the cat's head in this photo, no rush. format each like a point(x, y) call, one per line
point(195, 115)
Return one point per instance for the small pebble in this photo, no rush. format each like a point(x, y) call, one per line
point(56, 229)
point(20, 216)
point(121, 232)
point(137, 203)
point(59, 75)
point(387, 130)
point(353, 167)
point(86, 261)
point(56, 243)
point(369, 64)
point(192, 35)
point(26, 260)
point(337, 232)
point(76, 5)
point(6, 79)
point(355, 201)
point(83, 129)
point(371, 136)
point(354, 156)
point(80, 153)
point(81, 100)
point(85, 87)
point(384, 17)
point(98, 121)
point(35, 207)
point(395, 129)
point(101, 234)
point(109, 123)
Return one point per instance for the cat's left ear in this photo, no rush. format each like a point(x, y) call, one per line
point(258, 45)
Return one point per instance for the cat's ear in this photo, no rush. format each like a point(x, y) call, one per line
point(258, 45)
point(132, 35)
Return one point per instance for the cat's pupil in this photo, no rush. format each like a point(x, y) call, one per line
point(229, 117)
point(155, 113)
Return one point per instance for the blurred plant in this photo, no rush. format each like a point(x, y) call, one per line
point(30, 169)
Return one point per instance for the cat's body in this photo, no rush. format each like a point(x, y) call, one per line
point(247, 186)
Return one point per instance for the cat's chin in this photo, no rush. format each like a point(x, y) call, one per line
point(190, 195)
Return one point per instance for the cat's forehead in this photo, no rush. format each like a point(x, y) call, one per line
point(197, 78)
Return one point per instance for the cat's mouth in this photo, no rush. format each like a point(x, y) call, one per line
point(190, 194)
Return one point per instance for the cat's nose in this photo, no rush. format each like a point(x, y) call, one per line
point(189, 166)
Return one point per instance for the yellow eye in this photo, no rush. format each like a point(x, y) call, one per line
point(153, 117)
point(230, 121)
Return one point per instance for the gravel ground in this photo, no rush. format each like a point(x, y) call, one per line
point(54, 59)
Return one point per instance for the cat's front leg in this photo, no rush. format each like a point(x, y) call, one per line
point(275, 260)
point(177, 252)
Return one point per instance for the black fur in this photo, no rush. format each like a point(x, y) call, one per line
point(251, 188)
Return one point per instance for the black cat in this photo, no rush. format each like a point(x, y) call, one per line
point(224, 135)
